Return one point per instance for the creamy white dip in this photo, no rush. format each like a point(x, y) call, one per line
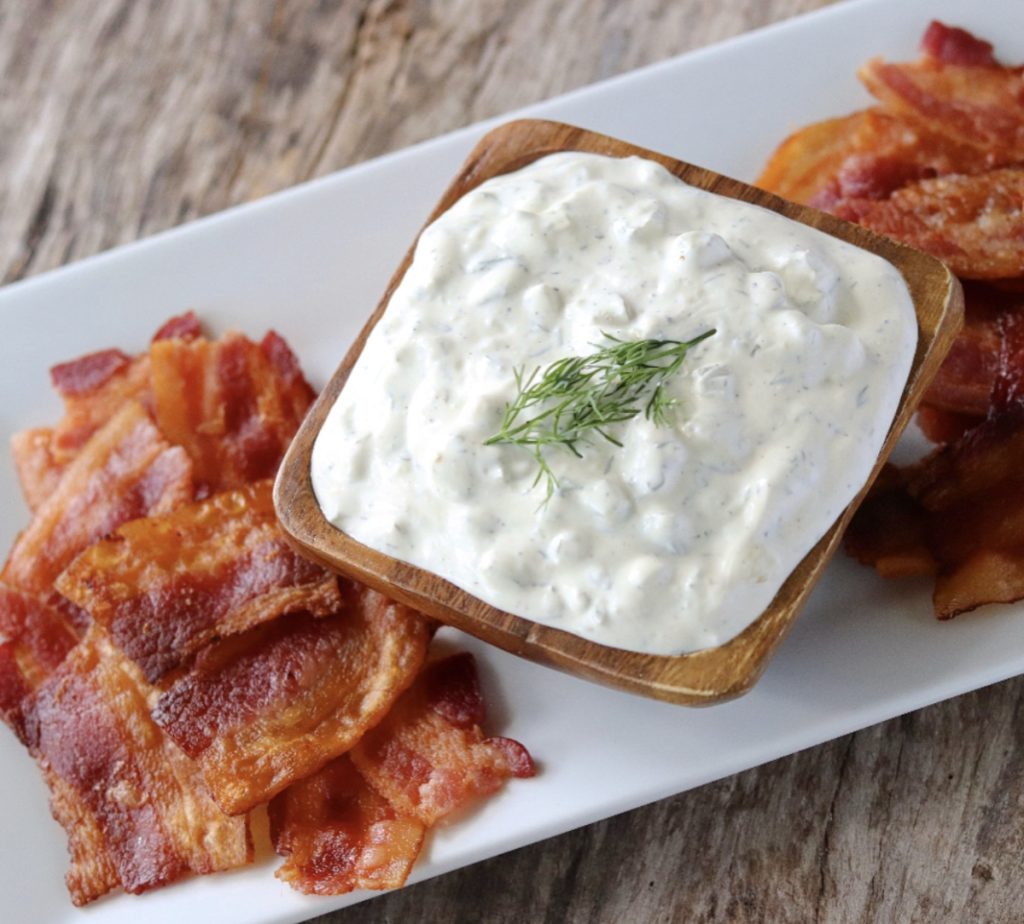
point(680, 539)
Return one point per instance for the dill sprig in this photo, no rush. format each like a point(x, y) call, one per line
point(583, 395)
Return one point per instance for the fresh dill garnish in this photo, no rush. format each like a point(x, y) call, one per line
point(583, 395)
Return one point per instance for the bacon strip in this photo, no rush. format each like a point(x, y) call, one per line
point(964, 383)
point(181, 327)
point(359, 822)
point(941, 426)
point(127, 470)
point(93, 396)
point(973, 491)
point(34, 640)
point(867, 155)
point(165, 587)
point(973, 223)
point(132, 804)
point(1008, 387)
point(429, 756)
point(960, 511)
point(952, 45)
point(890, 530)
point(338, 835)
point(233, 405)
point(958, 90)
point(275, 704)
point(38, 471)
point(89, 373)
point(96, 386)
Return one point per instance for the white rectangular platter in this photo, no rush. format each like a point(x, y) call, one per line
point(312, 263)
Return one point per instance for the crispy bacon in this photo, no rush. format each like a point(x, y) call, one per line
point(1008, 387)
point(91, 872)
point(34, 640)
point(164, 587)
point(952, 45)
point(93, 401)
point(181, 327)
point(960, 511)
point(973, 223)
point(338, 835)
point(429, 756)
point(978, 485)
point(297, 394)
point(96, 386)
point(890, 530)
point(127, 470)
point(359, 822)
point(964, 382)
point(88, 373)
point(867, 154)
point(132, 804)
point(38, 471)
point(275, 704)
point(958, 90)
point(962, 392)
point(941, 426)
point(228, 404)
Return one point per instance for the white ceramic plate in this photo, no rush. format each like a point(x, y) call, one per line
point(312, 263)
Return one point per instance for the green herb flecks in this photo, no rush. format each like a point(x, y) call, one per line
point(580, 396)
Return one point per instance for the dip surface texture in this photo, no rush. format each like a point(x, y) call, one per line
point(680, 538)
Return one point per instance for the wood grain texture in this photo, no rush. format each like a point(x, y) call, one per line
point(119, 118)
point(697, 678)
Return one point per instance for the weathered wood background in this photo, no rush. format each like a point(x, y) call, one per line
point(119, 118)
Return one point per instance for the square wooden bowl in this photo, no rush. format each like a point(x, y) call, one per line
point(702, 677)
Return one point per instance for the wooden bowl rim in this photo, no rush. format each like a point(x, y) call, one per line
point(696, 678)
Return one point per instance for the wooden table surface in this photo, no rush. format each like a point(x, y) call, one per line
point(119, 119)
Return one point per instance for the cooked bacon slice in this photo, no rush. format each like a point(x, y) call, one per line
point(1008, 388)
point(890, 530)
point(164, 587)
point(127, 470)
point(338, 835)
point(96, 386)
point(34, 640)
point(88, 373)
point(952, 45)
point(867, 155)
point(973, 223)
point(958, 90)
point(131, 802)
point(231, 405)
point(182, 327)
point(91, 872)
point(941, 426)
point(977, 366)
point(38, 471)
point(93, 395)
point(429, 756)
point(359, 822)
point(964, 382)
point(297, 393)
point(275, 704)
point(964, 507)
point(962, 474)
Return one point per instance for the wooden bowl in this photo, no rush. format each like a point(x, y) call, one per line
point(706, 676)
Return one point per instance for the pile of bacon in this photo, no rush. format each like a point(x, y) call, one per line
point(939, 165)
point(171, 663)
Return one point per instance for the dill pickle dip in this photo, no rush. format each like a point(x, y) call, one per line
point(680, 537)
